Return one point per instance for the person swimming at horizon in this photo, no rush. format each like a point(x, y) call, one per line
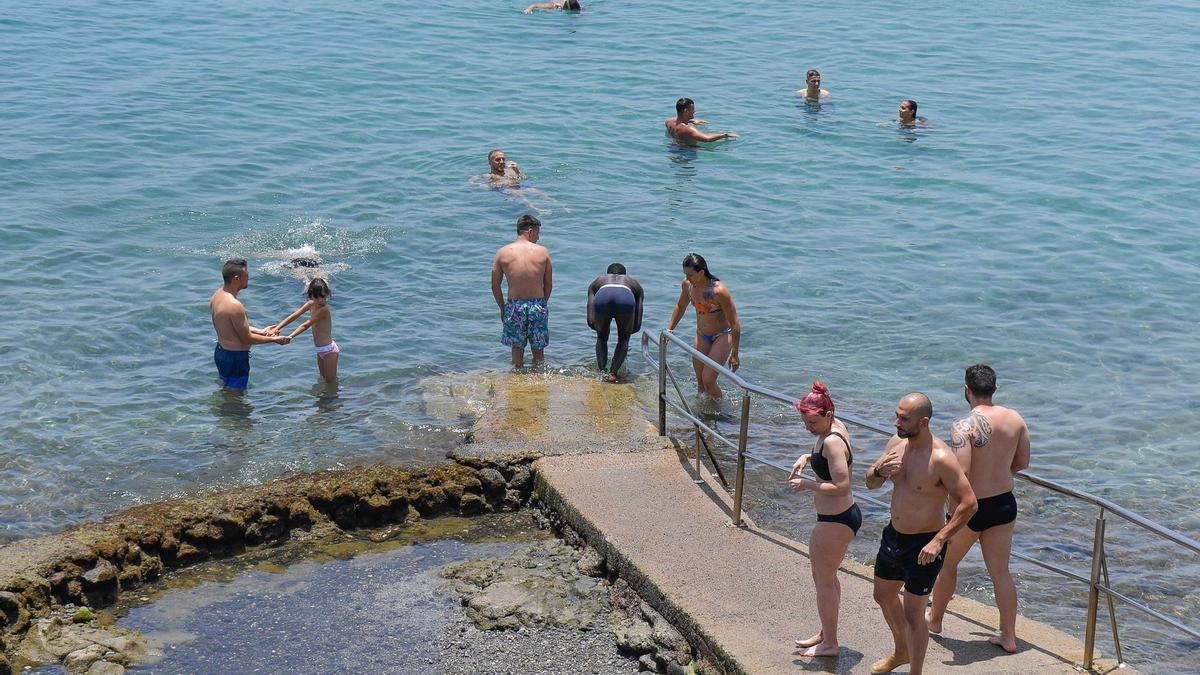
point(565, 5)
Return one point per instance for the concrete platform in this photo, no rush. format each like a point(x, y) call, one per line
point(747, 593)
point(742, 595)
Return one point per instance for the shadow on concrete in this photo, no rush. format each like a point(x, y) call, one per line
point(968, 652)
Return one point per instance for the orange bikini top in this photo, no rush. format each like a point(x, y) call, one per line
point(710, 305)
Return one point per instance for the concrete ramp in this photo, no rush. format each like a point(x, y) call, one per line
point(742, 595)
point(747, 593)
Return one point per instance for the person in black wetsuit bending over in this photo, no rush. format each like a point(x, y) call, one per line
point(614, 296)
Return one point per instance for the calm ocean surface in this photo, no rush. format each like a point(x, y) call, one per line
point(1044, 224)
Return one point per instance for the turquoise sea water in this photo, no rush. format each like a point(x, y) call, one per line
point(1043, 223)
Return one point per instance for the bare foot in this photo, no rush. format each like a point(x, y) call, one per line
point(889, 664)
point(934, 626)
point(814, 640)
point(823, 649)
point(609, 377)
point(1007, 644)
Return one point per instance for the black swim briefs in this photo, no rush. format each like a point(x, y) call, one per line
point(993, 511)
point(897, 560)
point(851, 518)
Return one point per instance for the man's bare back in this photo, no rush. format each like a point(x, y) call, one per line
point(525, 265)
point(986, 442)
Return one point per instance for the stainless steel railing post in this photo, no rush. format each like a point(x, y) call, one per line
point(1089, 641)
point(740, 480)
point(662, 384)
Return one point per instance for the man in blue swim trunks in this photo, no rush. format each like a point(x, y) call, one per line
point(525, 316)
point(235, 335)
point(614, 296)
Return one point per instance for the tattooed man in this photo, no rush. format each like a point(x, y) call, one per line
point(992, 444)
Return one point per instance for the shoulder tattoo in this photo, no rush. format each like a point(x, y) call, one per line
point(973, 428)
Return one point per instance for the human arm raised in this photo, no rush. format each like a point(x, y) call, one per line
point(950, 474)
point(886, 466)
point(293, 316)
point(316, 315)
point(255, 336)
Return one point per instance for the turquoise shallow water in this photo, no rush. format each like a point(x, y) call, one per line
point(1042, 224)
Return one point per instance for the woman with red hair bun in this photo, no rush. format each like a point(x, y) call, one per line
point(838, 517)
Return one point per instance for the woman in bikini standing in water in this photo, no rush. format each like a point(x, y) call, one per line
point(717, 327)
point(838, 517)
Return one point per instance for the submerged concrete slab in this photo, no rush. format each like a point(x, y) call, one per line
point(560, 414)
point(744, 595)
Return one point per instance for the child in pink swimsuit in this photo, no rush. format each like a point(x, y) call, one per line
point(320, 319)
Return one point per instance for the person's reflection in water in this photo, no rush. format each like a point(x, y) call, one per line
point(327, 397)
point(233, 412)
point(684, 158)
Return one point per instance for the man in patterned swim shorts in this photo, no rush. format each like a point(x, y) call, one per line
point(525, 316)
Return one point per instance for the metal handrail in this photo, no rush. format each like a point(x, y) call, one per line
point(1099, 562)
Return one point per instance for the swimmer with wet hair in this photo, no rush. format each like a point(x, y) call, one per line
point(565, 5)
point(718, 329)
point(908, 114)
point(320, 319)
point(812, 90)
point(683, 125)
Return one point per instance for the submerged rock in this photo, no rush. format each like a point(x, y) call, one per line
point(540, 585)
point(81, 647)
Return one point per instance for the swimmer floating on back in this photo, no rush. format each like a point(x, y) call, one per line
point(683, 125)
point(565, 5)
point(506, 176)
point(320, 319)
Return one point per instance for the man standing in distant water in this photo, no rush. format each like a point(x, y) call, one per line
point(683, 125)
point(525, 317)
point(235, 335)
point(992, 444)
point(908, 114)
point(614, 296)
point(812, 90)
point(502, 172)
point(923, 472)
